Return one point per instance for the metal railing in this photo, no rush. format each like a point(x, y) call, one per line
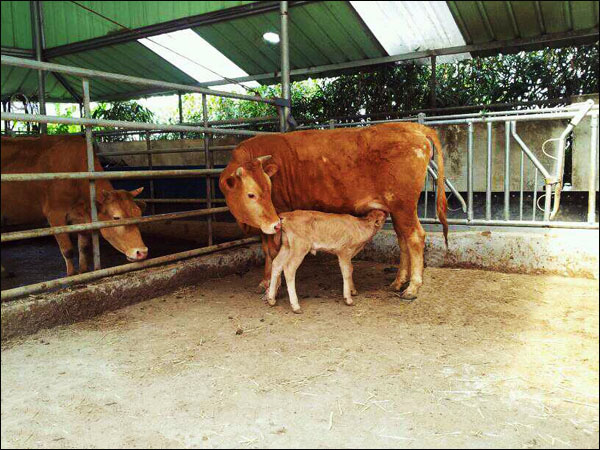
point(94, 225)
point(552, 177)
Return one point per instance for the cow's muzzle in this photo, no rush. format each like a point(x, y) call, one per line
point(137, 254)
point(272, 228)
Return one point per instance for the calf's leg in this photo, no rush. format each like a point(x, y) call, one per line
point(347, 269)
point(278, 264)
point(294, 260)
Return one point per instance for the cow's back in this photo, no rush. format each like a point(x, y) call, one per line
point(26, 202)
point(343, 170)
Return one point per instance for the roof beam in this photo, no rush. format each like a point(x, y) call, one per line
point(508, 46)
point(167, 27)
point(18, 52)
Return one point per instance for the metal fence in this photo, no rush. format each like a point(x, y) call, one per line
point(548, 181)
point(209, 172)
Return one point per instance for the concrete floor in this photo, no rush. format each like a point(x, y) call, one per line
point(481, 359)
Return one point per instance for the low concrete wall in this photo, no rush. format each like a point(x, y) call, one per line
point(28, 315)
point(572, 253)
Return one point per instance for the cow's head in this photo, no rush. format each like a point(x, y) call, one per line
point(247, 192)
point(119, 204)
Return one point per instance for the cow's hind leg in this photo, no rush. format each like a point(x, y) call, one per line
point(403, 276)
point(414, 236)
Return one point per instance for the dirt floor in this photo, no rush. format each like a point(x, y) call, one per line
point(481, 359)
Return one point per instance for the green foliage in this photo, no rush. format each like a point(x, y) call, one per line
point(130, 111)
point(61, 128)
point(388, 90)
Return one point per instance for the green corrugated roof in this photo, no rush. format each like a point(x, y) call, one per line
point(16, 25)
point(66, 22)
point(321, 33)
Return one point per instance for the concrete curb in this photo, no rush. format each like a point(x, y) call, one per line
point(572, 253)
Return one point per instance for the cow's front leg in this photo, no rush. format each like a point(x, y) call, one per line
point(64, 241)
point(84, 242)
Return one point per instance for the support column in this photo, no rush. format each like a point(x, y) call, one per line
point(285, 65)
point(38, 45)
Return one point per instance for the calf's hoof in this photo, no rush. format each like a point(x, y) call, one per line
point(400, 286)
point(297, 310)
point(270, 301)
point(349, 301)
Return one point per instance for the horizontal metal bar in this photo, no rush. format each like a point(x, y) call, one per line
point(516, 223)
point(90, 276)
point(506, 46)
point(179, 200)
point(122, 174)
point(167, 150)
point(119, 78)
point(19, 117)
point(41, 232)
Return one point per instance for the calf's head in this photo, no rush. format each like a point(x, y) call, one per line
point(377, 219)
point(116, 205)
point(247, 192)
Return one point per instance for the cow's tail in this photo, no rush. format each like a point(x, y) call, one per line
point(442, 203)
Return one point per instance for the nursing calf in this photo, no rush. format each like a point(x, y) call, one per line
point(311, 231)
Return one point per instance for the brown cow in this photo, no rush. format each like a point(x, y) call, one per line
point(63, 202)
point(310, 231)
point(347, 171)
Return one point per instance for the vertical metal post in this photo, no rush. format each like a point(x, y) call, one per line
point(208, 165)
point(535, 191)
point(91, 168)
point(426, 192)
point(593, 169)
point(150, 166)
point(521, 174)
point(331, 124)
point(507, 170)
point(470, 172)
point(180, 108)
point(285, 65)
point(548, 202)
point(432, 81)
point(488, 175)
point(38, 43)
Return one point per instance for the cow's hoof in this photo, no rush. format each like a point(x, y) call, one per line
point(349, 301)
point(408, 294)
point(262, 287)
point(399, 286)
point(297, 310)
point(353, 292)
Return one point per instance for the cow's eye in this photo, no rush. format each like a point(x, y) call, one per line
point(251, 196)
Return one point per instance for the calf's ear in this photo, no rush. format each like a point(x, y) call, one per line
point(141, 204)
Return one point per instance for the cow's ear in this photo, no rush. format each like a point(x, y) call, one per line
point(271, 169)
point(229, 182)
point(137, 191)
point(142, 204)
point(104, 197)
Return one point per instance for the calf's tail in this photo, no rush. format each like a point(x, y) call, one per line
point(442, 203)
